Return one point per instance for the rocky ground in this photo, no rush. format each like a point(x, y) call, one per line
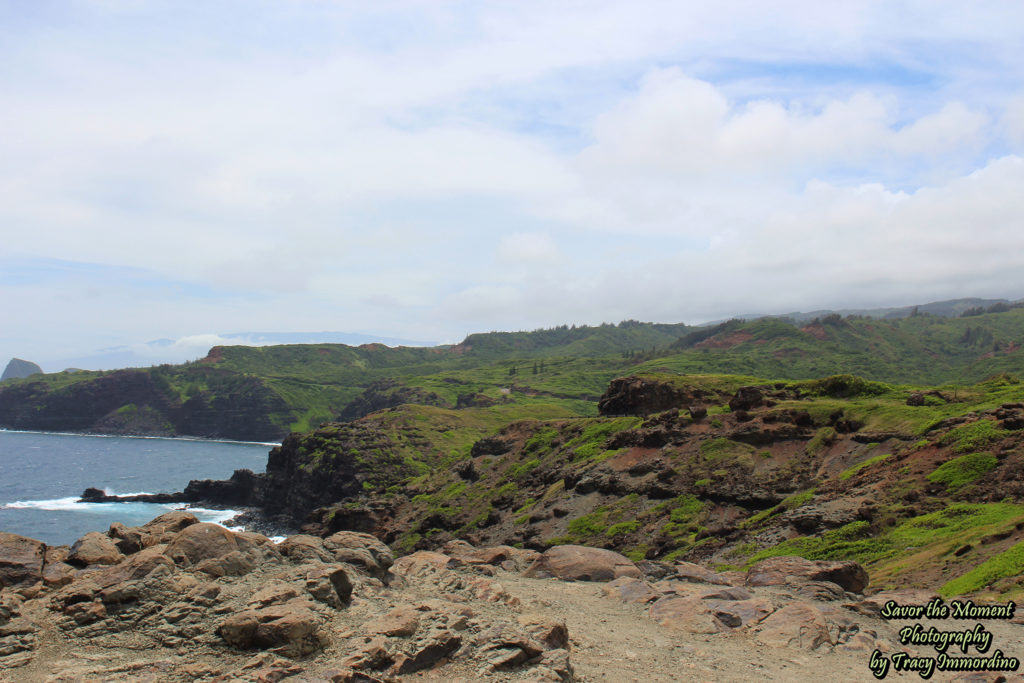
point(180, 600)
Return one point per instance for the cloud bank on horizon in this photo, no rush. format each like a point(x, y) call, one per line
point(429, 169)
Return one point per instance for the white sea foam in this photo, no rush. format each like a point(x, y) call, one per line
point(53, 504)
point(72, 504)
point(215, 516)
point(135, 436)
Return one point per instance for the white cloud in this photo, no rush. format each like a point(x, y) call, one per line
point(410, 167)
point(528, 248)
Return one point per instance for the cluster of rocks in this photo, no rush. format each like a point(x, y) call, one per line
point(812, 604)
point(177, 599)
point(181, 600)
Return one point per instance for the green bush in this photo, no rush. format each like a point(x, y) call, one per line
point(622, 528)
point(588, 525)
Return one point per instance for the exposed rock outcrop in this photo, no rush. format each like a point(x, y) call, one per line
point(642, 396)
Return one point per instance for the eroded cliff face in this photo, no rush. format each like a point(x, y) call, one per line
point(136, 402)
point(815, 468)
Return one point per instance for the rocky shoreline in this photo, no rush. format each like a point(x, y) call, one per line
point(181, 600)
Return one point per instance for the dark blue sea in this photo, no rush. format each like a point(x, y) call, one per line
point(42, 475)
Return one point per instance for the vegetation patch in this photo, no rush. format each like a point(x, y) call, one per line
point(622, 528)
point(715, 450)
point(822, 438)
point(1003, 565)
point(963, 470)
point(846, 474)
point(973, 436)
point(589, 525)
point(591, 441)
point(932, 535)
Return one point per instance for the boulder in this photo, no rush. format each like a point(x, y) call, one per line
point(94, 548)
point(128, 539)
point(688, 571)
point(776, 571)
point(170, 522)
point(330, 584)
point(275, 593)
point(362, 550)
point(291, 629)
point(582, 563)
point(710, 613)
point(628, 589)
point(202, 541)
point(56, 574)
point(21, 560)
point(428, 652)
point(235, 563)
point(138, 566)
point(400, 622)
point(746, 398)
point(422, 561)
point(159, 530)
point(506, 648)
point(304, 548)
point(551, 633)
point(797, 625)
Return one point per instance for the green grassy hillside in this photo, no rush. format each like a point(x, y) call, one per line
point(296, 387)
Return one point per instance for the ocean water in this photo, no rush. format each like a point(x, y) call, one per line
point(42, 476)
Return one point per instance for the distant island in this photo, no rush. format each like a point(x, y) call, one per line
point(18, 369)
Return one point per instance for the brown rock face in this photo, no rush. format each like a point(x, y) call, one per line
point(551, 633)
point(776, 571)
point(399, 622)
point(291, 629)
point(637, 396)
point(362, 550)
point(330, 585)
point(799, 625)
point(582, 563)
point(202, 541)
point(746, 398)
point(138, 566)
point(58, 574)
point(21, 560)
point(94, 548)
point(302, 548)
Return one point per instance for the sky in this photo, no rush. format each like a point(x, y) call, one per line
point(423, 170)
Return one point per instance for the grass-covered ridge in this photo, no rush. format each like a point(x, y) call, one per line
point(296, 387)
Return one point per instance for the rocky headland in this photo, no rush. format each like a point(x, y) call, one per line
point(181, 600)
